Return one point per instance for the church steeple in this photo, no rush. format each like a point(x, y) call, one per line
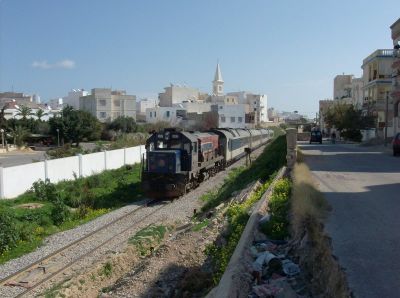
point(218, 83)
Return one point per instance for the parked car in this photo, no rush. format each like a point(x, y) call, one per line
point(396, 144)
point(316, 137)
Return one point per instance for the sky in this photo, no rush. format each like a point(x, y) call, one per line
point(289, 50)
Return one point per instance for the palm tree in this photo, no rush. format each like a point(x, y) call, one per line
point(19, 134)
point(24, 112)
point(40, 113)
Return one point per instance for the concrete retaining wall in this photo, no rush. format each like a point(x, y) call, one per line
point(232, 283)
point(18, 179)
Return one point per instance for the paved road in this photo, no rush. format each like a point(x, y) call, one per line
point(19, 158)
point(363, 187)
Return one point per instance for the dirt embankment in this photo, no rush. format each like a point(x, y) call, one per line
point(310, 244)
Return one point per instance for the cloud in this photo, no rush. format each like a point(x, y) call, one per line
point(64, 64)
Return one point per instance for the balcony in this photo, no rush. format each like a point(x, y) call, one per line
point(384, 53)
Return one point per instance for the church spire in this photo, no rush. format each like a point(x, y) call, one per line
point(218, 76)
point(218, 83)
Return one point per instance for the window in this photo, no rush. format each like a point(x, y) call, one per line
point(102, 102)
point(255, 109)
point(240, 119)
point(232, 119)
point(220, 107)
point(155, 114)
point(117, 103)
point(103, 114)
point(151, 114)
point(168, 112)
point(222, 119)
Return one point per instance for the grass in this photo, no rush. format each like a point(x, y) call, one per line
point(270, 161)
point(237, 215)
point(278, 207)
point(84, 199)
point(307, 203)
point(145, 239)
point(107, 269)
point(201, 225)
point(54, 291)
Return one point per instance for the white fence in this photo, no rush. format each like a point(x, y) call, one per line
point(18, 179)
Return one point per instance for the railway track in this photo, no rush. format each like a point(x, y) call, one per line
point(34, 275)
point(29, 278)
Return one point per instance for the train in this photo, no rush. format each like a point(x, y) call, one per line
point(177, 161)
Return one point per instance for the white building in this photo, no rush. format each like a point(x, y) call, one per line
point(377, 77)
point(172, 115)
point(141, 107)
point(342, 87)
point(11, 110)
point(256, 106)
point(175, 94)
point(56, 103)
point(72, 99)
point(230, 116)
point(357, 93)
point(108, 105)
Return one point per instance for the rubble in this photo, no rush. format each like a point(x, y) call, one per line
point(274, 273)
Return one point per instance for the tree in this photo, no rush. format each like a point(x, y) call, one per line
point(24, 112)
point(74, 126)
point(346, 119)
point(123, 124)
point(39, 114)
point(19, 135)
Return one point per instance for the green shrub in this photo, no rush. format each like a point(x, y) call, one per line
point(9, 235)
point(44, 190)
point(60, 212)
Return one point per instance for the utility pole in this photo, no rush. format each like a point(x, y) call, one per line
point(386, 116)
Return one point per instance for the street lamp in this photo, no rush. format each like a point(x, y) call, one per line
point(2, 137)
point(58, 137)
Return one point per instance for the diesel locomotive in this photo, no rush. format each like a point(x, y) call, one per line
point(178, 161)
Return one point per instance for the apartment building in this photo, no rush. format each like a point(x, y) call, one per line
point(173, 115)
point(141, 107)
point(256, 107)
point(377, 79)
point(395, 92)
point(230, 116)
point(107, 104)
point(175, 94)
point(72, 99)
point(342, 87)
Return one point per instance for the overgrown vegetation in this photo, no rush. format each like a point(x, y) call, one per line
point(348, 120)
point(307, 204)
point(237, 215)
point(62, 206)
point(271, 160)
point(107, 269)
point(277, 227)
point(147, 238)
point(310, 244)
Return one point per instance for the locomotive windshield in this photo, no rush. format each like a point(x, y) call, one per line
point(167, 161)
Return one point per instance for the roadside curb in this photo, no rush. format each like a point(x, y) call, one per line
point(231, 283)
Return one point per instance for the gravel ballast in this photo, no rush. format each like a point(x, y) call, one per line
point(179, 210)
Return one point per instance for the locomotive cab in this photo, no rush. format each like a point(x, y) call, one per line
point(170, 156)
